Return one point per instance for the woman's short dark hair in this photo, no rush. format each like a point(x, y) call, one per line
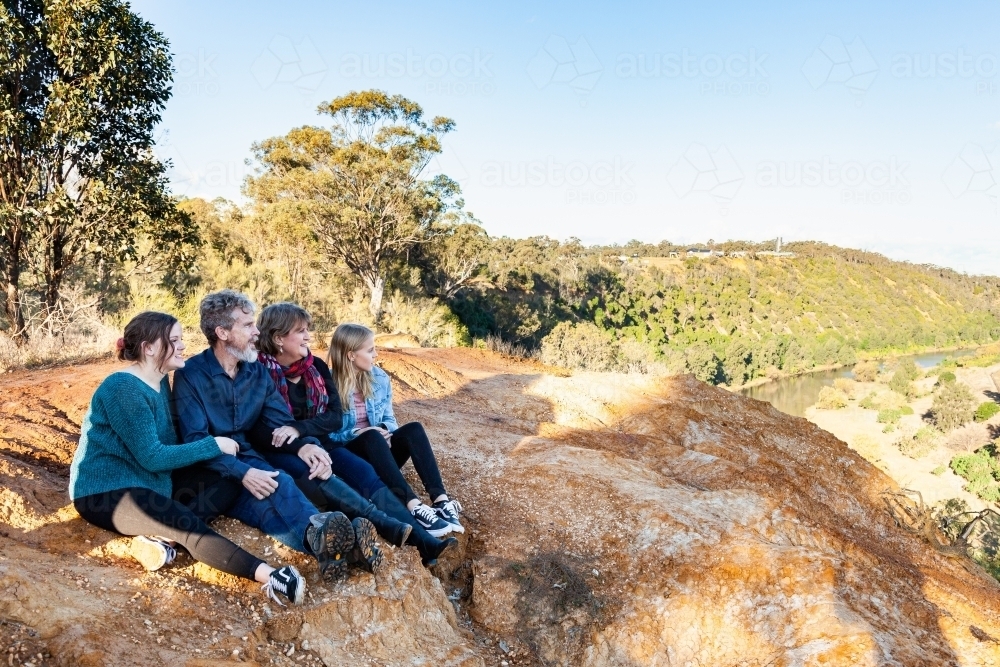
point(279, 319)
point(147, 328)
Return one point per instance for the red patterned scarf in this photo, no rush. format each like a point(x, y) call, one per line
point(316, 396)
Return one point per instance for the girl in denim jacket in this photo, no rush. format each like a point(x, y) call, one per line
point(370, 430)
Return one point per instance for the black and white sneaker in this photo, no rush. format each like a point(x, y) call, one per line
point(449, 511)
point(287, 581)
point(330, 538)
point(365, 553)
point(430, 521)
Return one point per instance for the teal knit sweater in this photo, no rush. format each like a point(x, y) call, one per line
point(127, 440)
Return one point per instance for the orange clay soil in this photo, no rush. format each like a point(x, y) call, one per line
point(612, 520)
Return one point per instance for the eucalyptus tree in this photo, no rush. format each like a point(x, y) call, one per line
point(359, 184)
point(82, 85)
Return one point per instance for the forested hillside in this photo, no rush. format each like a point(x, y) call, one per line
point(728, 319)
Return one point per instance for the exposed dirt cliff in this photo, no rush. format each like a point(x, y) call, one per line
point(614, 520)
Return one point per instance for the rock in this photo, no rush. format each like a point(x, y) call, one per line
point(611, 520)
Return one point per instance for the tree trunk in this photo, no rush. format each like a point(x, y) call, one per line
point(12, 309)
point(376, 288)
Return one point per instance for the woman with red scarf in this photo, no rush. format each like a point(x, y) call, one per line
point(310, 393)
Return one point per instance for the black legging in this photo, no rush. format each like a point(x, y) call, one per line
point(408, 441)
point(139, 511)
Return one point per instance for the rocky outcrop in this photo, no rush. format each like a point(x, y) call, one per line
point(614, 520)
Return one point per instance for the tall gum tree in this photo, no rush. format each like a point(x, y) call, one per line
point(82, 85)
point(358, 184)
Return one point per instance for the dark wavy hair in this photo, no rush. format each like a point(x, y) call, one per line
point(147, 328)
point(279, 319)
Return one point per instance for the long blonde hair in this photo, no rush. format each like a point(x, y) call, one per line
point(347, 338)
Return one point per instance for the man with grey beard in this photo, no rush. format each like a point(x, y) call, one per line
point(223, 392)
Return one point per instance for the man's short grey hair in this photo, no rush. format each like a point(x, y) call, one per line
point(217, 308)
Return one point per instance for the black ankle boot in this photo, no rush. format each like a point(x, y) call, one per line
point(343, 498)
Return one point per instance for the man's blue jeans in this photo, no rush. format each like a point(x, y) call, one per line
point(284, 515)
point(346, 465)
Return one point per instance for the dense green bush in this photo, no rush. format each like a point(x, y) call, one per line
point(953, 406)
point(888, 416)
point(946, 377)
point(986, 411)
point(982, 471)
point(579, 346)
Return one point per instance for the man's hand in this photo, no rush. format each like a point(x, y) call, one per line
point(282, 435)
point(260, 483)
point(227, 445)
point(318, 461)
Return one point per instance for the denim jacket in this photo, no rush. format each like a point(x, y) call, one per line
point(378, 407)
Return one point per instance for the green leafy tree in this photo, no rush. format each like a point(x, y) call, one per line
point(82, 85)
point(456, 250)
point(358, 184)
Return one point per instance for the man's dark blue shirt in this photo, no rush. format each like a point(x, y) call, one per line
point(209, 402)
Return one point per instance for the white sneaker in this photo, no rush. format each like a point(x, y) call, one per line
point(152, 553)
point(449, 511)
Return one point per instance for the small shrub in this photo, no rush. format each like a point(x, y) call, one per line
point(986, 411)
point(831, 399)
point(868, 402)
point(888, 416)
point(938, 471)
point(906, 410)
point(946, 377)
point(846, 385)
point(866, 371)
point(920, 444)
point(889, 428)
point(953, 406)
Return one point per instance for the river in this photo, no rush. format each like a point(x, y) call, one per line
point(793, 395)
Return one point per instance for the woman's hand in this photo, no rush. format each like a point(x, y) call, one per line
point(283, 435)
point(385, 434)
point(318, 460)
point(228, 445)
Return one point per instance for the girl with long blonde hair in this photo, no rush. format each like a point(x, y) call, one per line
point(370, 430)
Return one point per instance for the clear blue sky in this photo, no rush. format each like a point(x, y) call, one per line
point(870, 125)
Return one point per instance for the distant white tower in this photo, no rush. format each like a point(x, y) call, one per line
point(777, 245)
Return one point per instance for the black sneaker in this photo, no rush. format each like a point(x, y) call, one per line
point(365, 553)
point(287, 581)
point(430, 521)
point(449, 511)
point(330, 538)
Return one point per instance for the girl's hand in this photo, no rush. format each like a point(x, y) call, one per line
point(283, 435)
point(228, 445)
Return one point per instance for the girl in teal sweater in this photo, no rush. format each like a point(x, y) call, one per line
point(120, 477)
